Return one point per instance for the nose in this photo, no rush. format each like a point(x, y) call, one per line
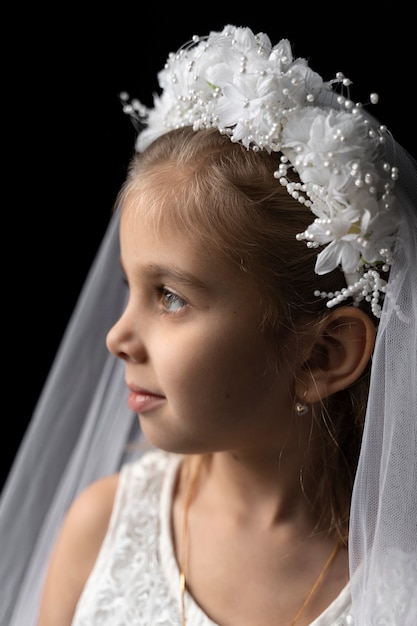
point(124, 341)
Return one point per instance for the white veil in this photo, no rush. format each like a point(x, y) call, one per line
point(81, 426)
point(78, 432)
point(383, 527)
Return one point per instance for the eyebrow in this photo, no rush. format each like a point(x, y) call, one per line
point(166, 272)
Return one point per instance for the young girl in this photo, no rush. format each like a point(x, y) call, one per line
point(259, 223)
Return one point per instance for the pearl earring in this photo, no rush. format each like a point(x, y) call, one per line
point(300, 407)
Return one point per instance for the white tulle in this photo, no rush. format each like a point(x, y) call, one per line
point(383, 531)
point(78, 432)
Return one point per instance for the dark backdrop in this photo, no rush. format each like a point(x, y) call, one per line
point(66, 143)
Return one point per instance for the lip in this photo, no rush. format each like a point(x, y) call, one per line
point(141, 400)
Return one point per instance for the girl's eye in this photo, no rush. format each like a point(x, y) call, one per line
point(171, 302)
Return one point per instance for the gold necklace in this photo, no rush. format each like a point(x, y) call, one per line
point(184, 555)
point(316, 584)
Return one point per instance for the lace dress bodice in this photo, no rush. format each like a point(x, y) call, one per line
point(135, 580)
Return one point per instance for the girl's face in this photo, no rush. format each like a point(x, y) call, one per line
point(202, 377)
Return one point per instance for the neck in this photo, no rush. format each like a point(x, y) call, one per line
point(277, 550)
point(251, 489)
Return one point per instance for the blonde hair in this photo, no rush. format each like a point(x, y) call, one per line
point(225, 197)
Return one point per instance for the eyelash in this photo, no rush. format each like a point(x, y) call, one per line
point(167, 296)
point(164, 293)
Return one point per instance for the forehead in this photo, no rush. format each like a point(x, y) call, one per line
point(158, 193)
point(153, 236)
point(172, 200)
point(158, 203)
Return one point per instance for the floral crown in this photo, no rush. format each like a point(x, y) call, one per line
point(263, 98)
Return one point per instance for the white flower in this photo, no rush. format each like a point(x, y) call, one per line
point(265, 99)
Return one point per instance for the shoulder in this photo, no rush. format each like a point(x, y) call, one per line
point(76, 550)
point(101, 513)
point(87, 521)
point(91, 510)
point(89, 516)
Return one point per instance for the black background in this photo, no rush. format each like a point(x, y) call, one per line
point(66, 143)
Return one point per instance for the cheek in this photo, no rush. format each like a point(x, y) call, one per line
point(223, 372)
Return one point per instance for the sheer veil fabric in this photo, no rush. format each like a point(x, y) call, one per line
point(81, 428)
point(383, 528)
point(79, 431)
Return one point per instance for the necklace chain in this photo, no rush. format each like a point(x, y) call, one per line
point(184, 556)
point(316, 584)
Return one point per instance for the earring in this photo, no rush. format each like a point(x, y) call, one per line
point(300, 407)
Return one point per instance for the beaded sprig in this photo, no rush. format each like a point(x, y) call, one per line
point(263, 98)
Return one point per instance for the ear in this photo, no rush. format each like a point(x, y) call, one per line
point(338, 355)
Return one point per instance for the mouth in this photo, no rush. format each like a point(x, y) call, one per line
point(142, 400)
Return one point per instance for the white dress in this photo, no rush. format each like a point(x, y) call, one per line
point(135, 580)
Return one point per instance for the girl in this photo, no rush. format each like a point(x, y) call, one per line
point(259, 223)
